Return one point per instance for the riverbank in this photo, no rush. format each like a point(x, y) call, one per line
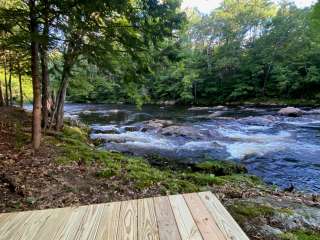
point(69, 170)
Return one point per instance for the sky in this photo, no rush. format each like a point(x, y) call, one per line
point(206, 6)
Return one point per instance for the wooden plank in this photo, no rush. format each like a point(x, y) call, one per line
point(107, 228)
point(167, 225)
point(128, 221)
point(50, 229)
point(206, 224)
point(30, 227)
point(90, 223)
point(9, 229)
point(69, 230)
point(224, 220)
point(4, 217)
point(186, 225)
point(147, 222)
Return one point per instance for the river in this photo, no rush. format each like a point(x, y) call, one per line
point(281, 150)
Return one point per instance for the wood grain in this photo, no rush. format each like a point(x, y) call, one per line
point(109, 221)
point(9, 229)
point(90, 223)
point(186, 225)
point(224, 220)
point(167, 225)
point(71, 226)
point(57, 219)
point(147, 222)
point(128, 221)
point(205, 222)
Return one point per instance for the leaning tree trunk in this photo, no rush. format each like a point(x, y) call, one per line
point(1, 96)
point(44, 68)
point(69, 60)
point(6, 82)
point(20, 85)
point(10, 82)
point(36, 116)
point(59, 110)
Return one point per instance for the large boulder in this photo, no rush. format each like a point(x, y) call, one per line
point(290, 112)
point(157, 124)
point(183, 131)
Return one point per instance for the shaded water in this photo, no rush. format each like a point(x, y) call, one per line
point(282, 150)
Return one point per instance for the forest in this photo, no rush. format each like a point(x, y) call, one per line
point(113, 100)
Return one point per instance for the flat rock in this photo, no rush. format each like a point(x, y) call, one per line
point(291, 112)
point(183, 131)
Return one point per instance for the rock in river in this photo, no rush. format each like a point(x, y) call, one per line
point(183, 131)
point(157, 124)
point(216, 114)
point(290, 112)
point(198, 108)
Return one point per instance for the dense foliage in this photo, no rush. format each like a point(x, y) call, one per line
point(242, 50)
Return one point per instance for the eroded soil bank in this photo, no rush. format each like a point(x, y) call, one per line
point(69, 170)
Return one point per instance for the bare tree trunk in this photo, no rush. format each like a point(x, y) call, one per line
point(1, 96)
point(36, 116)
point(20, 85)
point(44, 67)
point(10, 82)
point(60, 102)
point(6, 82)
point(266, 80)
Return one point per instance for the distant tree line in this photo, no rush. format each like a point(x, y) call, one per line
point(247, 49)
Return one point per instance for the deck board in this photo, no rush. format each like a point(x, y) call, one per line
point(186, 225)
point(226, 223)
point(205, 222)
point(195, 216)
point(128, 221)
point(147, 222)
point(167, 225)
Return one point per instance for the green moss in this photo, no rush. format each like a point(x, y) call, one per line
point(220, 168)
point(251, 210)
point(143, 175)
point(200, 179)
point(301, 235)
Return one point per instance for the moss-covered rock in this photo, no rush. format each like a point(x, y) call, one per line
point(220, 168)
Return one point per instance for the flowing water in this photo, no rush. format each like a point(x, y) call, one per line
point(281, 150)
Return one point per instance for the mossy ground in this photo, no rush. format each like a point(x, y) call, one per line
point(301, 235)
point(76, 148)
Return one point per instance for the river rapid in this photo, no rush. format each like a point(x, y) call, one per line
point(282, 150)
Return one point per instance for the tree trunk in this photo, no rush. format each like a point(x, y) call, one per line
point(20, 85)
point(60, 101)
point(44, 67)
point(36, 116)
point(6, 82)
point(1, 96)
point(266, 80)
point(10, 82)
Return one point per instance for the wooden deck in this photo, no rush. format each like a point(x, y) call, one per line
point(195, 216)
